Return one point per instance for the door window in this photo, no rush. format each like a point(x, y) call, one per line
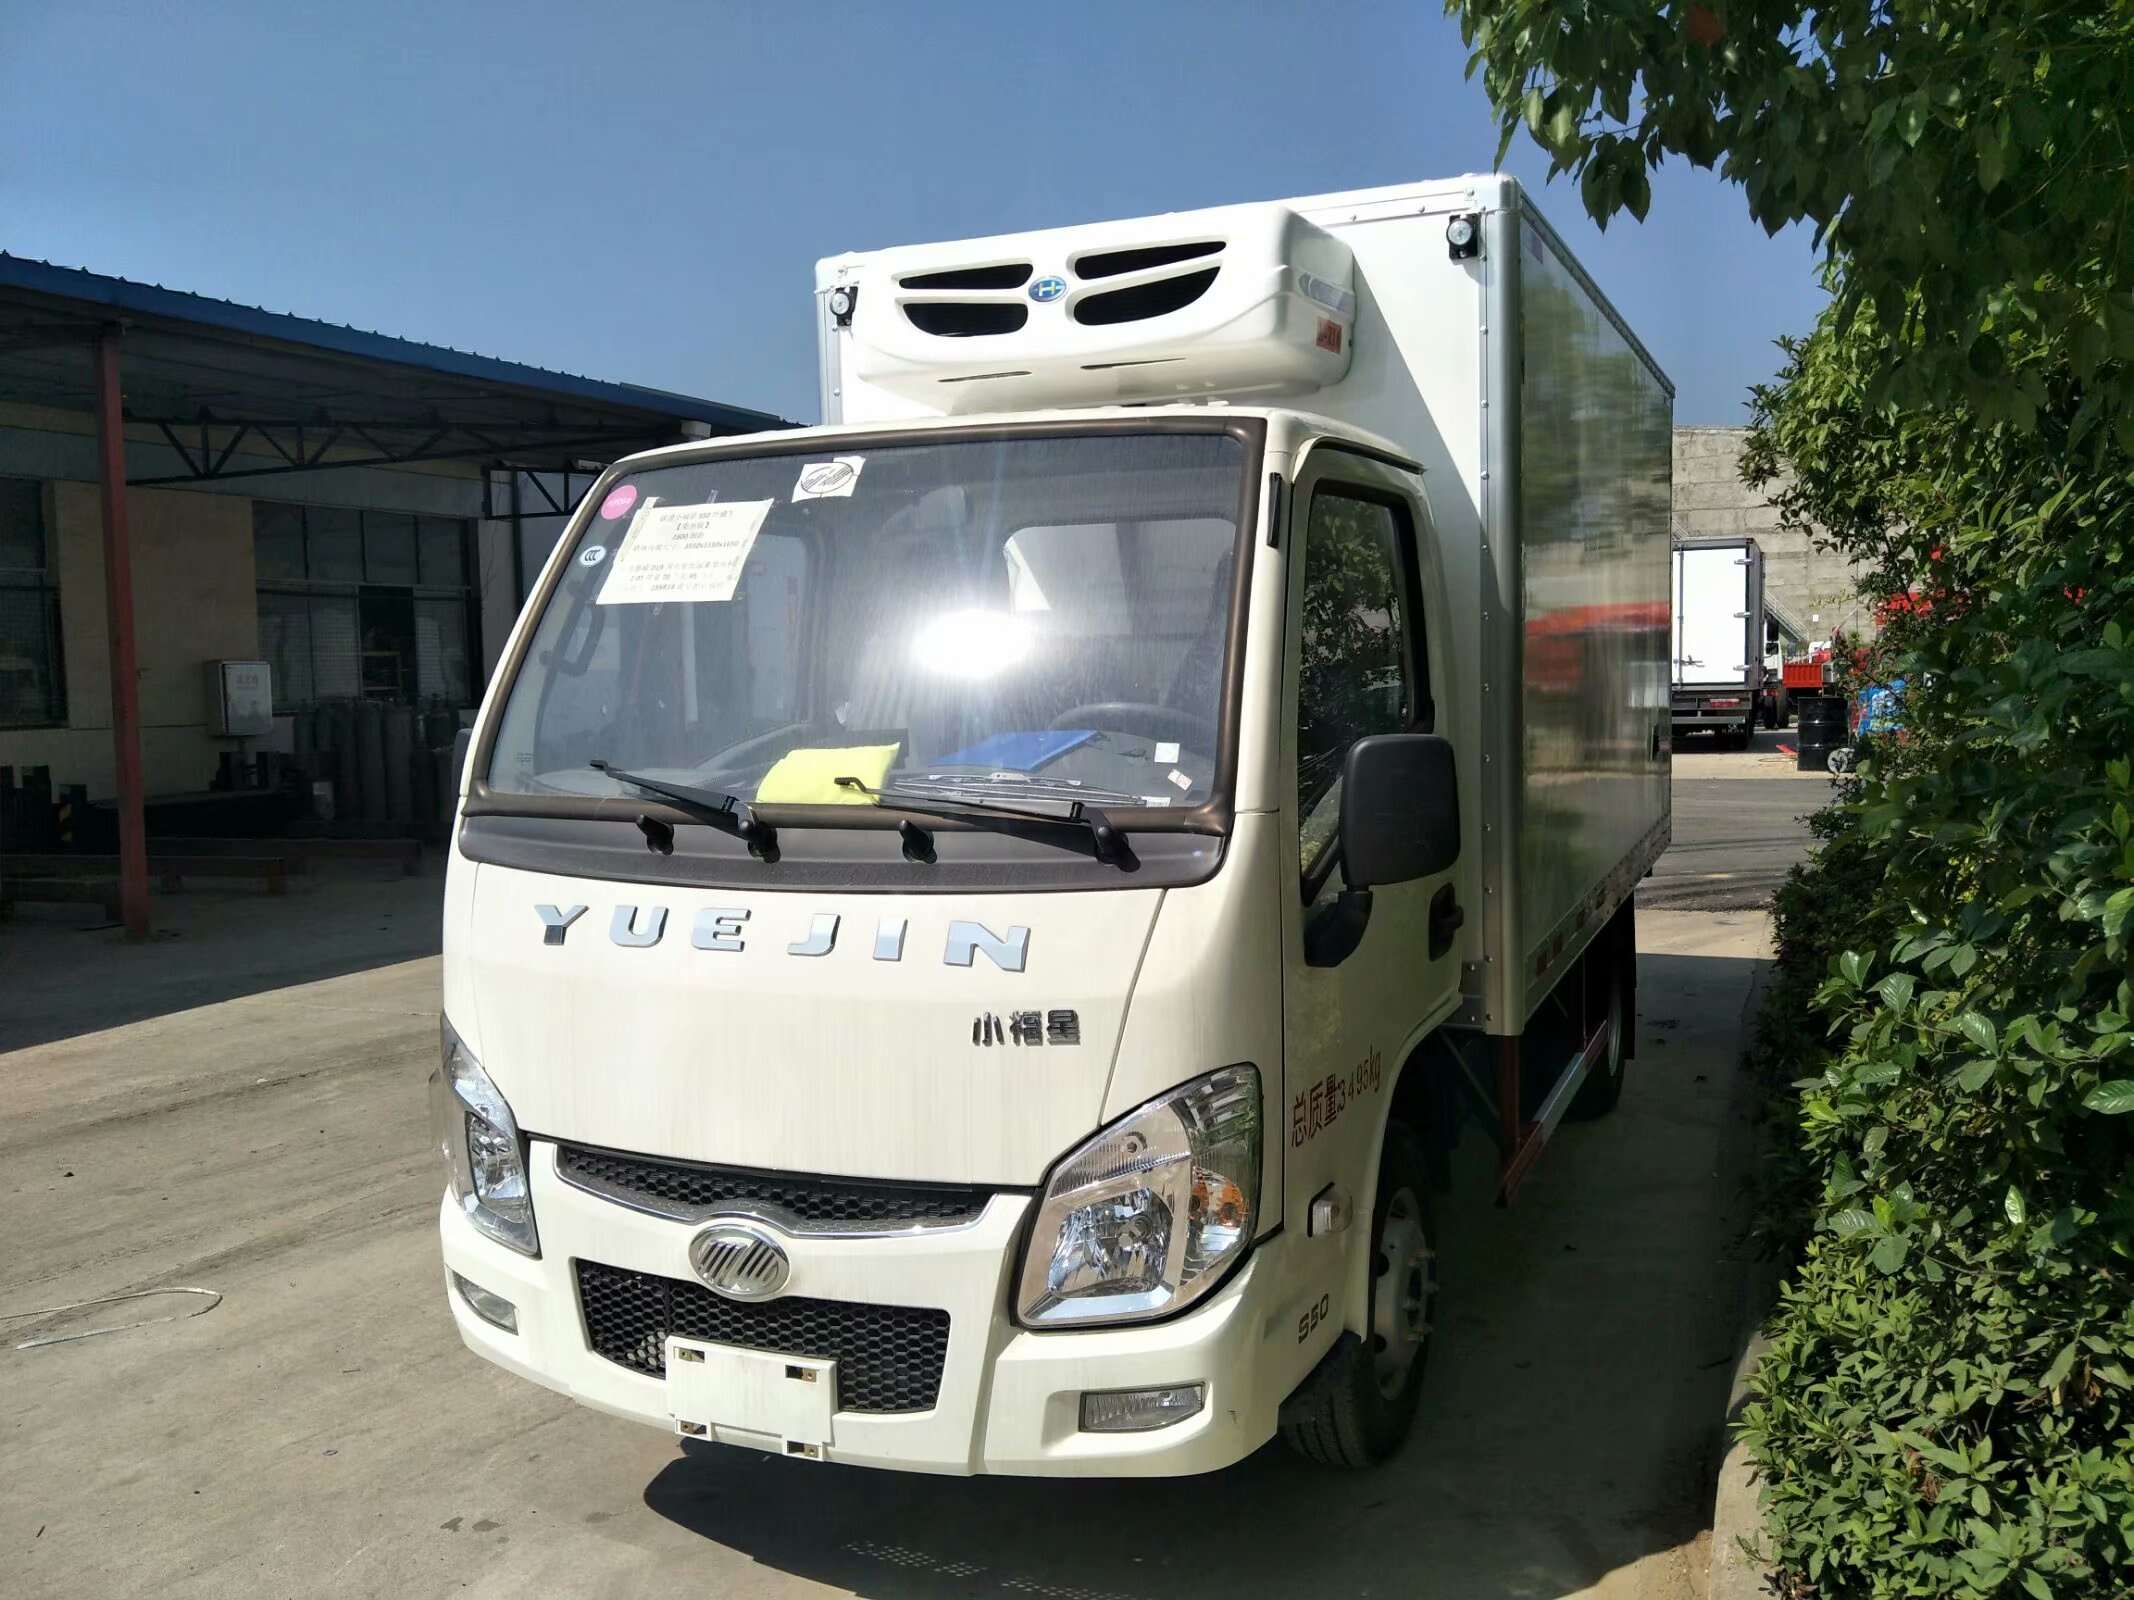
point(1354, 676)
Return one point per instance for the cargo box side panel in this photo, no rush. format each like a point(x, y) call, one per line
point(1595, 486)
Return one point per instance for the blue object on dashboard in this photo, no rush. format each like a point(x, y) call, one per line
point(1017, 752)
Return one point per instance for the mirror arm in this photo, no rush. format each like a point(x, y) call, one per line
point(1332, 935)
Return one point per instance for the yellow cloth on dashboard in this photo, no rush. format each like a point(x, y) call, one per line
point(809, 777)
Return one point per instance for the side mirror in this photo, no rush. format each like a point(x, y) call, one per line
point(1400, 809)
point(461, 742)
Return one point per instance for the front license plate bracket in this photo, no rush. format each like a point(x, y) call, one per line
point(718, 1391)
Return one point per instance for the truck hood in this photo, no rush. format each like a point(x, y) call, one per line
point(923, 1060)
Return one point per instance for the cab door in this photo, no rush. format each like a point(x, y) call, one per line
point(1360, 658)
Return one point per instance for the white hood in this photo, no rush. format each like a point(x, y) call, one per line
point(841, 1063)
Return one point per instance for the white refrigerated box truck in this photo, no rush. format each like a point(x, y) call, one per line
point(1718, 671)
point(972, 929)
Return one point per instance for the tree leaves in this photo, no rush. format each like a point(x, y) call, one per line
point(1966, 161)
point(1949, 1031)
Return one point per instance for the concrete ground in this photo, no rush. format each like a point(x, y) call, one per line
point(240, 1107)
point(1739, 825)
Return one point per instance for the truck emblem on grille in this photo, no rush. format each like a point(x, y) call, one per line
point(740, 1262)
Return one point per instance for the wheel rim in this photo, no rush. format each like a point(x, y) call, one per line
point(1401, 1292)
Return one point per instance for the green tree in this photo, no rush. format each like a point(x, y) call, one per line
point(1964, 163)
point(1947, 1408)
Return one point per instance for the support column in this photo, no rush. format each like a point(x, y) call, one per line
point(118, 623)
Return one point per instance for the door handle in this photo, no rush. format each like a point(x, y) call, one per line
point(1446, 919)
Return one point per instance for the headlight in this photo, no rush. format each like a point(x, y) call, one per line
point(485, 1160)
point(1146, 1217)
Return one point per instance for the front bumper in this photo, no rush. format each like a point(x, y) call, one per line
point(1698, 714)
point(1009, 1400)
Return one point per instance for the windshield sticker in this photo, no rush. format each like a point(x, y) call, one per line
point(592, 555)
point(834, 479)
point(1180, 779)
point(1166, 755)
point(619, 500)
point(688, 553)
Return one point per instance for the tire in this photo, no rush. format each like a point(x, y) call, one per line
point(1355, 1410)
point(1603, 1087)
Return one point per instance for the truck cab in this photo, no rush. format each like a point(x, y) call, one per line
point(961, 926)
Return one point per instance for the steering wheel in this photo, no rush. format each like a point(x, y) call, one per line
point(1139, 716)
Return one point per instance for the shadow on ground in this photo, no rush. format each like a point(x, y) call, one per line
point(66, 974)
point(1570, 1431)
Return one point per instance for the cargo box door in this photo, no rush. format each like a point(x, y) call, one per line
point(1711, 609)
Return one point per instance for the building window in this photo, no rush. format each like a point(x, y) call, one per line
point(376, 604)
point(33, 685)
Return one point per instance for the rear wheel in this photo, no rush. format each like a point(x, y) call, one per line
point(1359, 1403)
point(1603, 1087)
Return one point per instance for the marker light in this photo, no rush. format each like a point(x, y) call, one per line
point(492, 1308)
point(1141, 1410)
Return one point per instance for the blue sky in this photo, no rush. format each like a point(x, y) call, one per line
point(640, 191)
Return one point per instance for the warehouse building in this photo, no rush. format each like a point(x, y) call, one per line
point(189, 487)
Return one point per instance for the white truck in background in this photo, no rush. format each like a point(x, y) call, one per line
point(1723, 610)
point(1717, 679)
point(972, 929)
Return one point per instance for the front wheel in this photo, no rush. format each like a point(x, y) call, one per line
point(1359, 1403)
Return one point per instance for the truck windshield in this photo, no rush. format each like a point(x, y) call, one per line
point(1012, 620)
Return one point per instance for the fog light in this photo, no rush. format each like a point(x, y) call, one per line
point(492, 1308)
point(1140, 1410)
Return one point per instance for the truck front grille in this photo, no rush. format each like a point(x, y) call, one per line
point(690, 1192)
point(889, 1358)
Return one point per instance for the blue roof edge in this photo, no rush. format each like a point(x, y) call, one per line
point(124, 295)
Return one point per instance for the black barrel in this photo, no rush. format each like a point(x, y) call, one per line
point(1824, 727)
point(1823, 719)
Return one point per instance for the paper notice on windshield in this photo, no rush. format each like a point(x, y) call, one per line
point(687, 553)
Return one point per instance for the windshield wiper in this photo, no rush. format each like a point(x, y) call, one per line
point(729, 813)
point(1107, 843)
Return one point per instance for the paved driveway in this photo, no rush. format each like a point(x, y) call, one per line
point(320, 1431)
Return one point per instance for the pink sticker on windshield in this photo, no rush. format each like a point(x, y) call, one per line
point(619, 500)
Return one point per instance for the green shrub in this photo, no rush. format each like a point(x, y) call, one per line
point(1947, 1408)
point(1947, 1405)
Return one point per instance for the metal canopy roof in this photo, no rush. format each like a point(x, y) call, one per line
point(229, 384)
